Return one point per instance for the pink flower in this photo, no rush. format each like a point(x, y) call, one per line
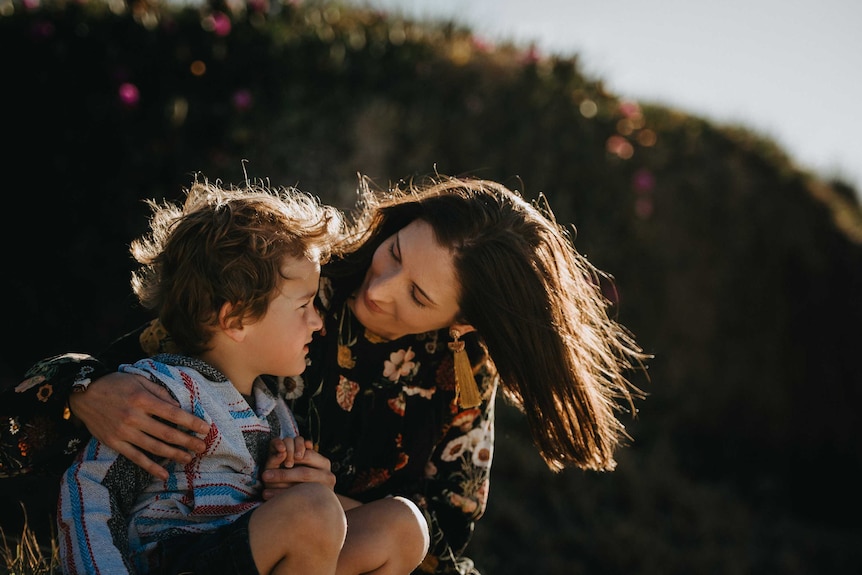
point(242, 100)
point(129, 94)
point(218, 23)
point(643, 181)
point(620, 147)
point(482, 44)
point(630, 109)
point(531, 56)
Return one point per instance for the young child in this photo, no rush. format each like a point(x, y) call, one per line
point(233, 275)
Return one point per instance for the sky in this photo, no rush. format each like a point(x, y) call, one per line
point(790, 70)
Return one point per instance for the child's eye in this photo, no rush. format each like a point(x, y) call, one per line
point(392, 252)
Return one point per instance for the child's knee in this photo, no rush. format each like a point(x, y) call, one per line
point(310, 512)
point(318, 510)
point(302, 529)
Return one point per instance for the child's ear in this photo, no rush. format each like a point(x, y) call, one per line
point(230, 325)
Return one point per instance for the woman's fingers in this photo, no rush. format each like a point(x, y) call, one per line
point(313, 460)
point(142, 460)
point(129, 413)
point(159, 402)
point(167, 438)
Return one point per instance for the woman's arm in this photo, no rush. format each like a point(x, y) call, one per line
point(128, 413)
point(133, 415)
point(44, 422)
point(37, 432)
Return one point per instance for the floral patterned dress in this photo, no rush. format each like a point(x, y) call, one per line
point(384, 412)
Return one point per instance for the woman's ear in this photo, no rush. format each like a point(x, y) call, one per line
point(231, 326)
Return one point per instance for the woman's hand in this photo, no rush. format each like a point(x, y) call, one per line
point(312, 467)
point(120, 410)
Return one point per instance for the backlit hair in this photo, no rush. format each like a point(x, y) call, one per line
point(534, 300)
point(225, 245)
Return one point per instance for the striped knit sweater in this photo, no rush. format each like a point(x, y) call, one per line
point(111, 513)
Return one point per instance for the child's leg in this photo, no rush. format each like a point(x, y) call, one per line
point(301, 530)
point(384, 537)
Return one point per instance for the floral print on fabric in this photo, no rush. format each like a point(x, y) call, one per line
point(346, 393)
point(400, 364)
point(385, 414)
point(37, 433)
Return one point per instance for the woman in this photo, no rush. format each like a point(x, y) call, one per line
point(458, 263)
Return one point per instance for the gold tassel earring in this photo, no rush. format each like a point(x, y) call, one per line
point(466, 391)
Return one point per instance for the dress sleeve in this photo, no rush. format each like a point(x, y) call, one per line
point(454, 493)
point(37, 431)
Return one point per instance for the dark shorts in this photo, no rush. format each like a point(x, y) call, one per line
point(226, 550)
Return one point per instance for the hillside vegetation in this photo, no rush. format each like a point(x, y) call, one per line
point(741, 273)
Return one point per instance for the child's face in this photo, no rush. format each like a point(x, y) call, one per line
point(280, 338)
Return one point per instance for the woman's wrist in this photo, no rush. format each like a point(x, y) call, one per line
point(88, 371)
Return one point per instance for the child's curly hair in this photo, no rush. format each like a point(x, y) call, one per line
point(225, 245)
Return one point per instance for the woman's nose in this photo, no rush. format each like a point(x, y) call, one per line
point(381, 287)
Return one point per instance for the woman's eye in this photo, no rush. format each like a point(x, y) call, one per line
point(415, 299)
point(392, 252)
point(396, 257)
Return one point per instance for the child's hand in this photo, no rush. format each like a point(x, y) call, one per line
point(294, 461)
point(286, 452)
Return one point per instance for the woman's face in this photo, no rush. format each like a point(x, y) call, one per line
point(410, 287)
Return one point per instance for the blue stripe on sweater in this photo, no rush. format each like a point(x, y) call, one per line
point(78, 514)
